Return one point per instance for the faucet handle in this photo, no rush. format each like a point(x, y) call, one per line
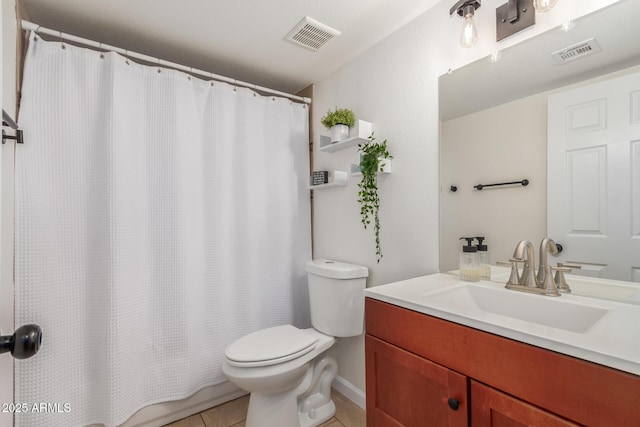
point(560, 280)
point(513, 263)
point(570, 266)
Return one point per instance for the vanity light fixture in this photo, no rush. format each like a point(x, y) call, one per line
point(544, 5)
point(466, 9)
point(514, 16)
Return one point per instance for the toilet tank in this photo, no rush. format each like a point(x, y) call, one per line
point(336, 297)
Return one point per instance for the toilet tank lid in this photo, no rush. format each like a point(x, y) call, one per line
point(336, 269)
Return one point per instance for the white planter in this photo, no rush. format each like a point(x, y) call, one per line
point(339, 132)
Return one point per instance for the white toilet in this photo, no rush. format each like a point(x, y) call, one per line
point(289, 371)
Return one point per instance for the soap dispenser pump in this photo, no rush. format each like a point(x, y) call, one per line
point(483, 259)
point(469, 266)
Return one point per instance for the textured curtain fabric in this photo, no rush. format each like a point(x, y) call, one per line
point(159, 217)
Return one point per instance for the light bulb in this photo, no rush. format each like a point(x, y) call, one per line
point(469, 34)
point(544, 5)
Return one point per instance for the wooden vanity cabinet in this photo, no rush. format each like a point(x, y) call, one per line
point(416, 363)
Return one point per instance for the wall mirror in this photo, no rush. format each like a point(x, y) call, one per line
point(486, 138)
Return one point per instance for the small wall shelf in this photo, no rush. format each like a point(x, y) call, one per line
point(386, 168)
point(358, 134)
point(339, 180)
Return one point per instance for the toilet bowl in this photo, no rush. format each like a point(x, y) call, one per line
point(289, 371)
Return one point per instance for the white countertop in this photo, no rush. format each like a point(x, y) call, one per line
point(609, 334)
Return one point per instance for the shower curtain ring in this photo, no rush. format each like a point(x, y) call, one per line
point(61, 40)
point(101, 50)
point(126, 56)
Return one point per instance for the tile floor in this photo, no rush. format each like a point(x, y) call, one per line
point(233, 414)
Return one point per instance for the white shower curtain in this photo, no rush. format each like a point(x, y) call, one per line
point(159, 217)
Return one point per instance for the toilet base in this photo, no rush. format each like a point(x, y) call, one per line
point(315, 405)
point(308, 404)
point(272, 410)
point(320, 415)
point(276, 411)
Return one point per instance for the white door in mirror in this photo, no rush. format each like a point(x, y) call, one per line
point(593, 187)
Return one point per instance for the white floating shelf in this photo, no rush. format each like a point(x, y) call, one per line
point(339, 180)
point(358, 134)
point(386, 167)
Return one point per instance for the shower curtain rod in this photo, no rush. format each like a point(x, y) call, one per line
point(30, 26)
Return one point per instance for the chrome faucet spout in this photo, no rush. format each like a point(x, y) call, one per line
point(524, 250)
point(544, 284)
point(546, 246)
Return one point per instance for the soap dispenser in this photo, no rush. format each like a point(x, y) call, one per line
point(469, 266)
point(483, 259)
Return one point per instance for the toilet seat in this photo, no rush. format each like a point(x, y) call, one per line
point(270, 346)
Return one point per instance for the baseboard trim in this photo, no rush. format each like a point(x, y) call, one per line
point(350, 391)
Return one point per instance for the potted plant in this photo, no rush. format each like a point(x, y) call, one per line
point(338, 122)
point(372, 161)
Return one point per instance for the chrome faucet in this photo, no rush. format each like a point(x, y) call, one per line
point(524, 250)
point(528, 282)
point(546, 246)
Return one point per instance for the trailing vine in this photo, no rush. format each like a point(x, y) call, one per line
point(371, 162)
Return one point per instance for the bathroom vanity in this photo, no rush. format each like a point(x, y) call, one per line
point(444, 352)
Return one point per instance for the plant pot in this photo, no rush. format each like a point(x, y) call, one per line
point(339, 132)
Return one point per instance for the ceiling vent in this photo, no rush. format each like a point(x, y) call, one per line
point(577, 51)
point(311, 34)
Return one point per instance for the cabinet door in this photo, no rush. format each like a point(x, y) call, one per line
point(491, 408)
point(407, 390)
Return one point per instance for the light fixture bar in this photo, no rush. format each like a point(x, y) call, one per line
point(514, 16)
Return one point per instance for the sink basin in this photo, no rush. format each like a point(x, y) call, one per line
point(547, 311)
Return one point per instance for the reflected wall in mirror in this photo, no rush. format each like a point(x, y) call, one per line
point(494, 129)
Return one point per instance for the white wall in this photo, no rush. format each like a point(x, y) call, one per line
point(501, 144)
point(7, 77)
point(395, 85)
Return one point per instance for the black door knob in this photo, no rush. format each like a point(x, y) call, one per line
point(24, 343)
point(453, 403)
